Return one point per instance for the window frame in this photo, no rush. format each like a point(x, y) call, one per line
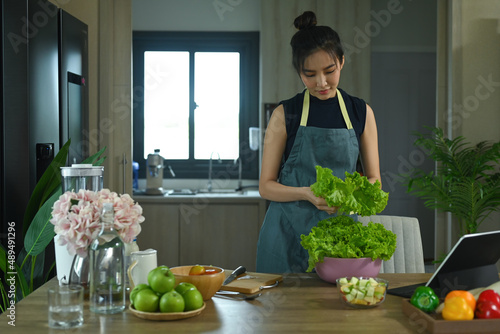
point(247, 44)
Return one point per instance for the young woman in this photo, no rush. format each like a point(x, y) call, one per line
point(322, 126)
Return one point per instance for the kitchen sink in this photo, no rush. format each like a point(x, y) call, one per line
point(188, 192)
point(192, 192)
point(219, 191)
point(206, 192)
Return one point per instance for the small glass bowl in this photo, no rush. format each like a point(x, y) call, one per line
point(362, 292)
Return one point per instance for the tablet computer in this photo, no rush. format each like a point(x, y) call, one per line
point(470, 264)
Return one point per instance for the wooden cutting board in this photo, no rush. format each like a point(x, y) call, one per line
point(250, 282)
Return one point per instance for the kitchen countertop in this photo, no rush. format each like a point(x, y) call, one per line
point(302, 303)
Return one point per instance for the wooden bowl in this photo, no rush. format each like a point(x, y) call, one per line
point(159, 316)
point(206, 284)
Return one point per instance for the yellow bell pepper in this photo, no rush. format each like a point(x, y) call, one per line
point(469, 297)
point(457, 308)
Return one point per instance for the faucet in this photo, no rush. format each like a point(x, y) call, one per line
point(209, 184)
point(171, 171)
point(240, 185)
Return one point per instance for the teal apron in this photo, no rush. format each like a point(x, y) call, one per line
point(279, 249)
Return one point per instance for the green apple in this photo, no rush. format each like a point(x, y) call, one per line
point(193, 300)
point(184, 286)
point(146, 300)
point(171, 301)
point(161, 279)
point(136, 289)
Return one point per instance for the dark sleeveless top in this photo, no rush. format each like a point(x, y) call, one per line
point(323, 114)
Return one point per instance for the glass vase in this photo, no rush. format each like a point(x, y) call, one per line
point(80, 272)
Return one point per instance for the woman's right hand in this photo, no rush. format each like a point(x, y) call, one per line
point(319, 202)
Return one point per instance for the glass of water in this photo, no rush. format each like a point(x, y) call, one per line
point(65, 306)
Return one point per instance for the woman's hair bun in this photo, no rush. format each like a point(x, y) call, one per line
point(306, 20)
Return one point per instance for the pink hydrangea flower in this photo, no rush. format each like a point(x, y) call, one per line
point(76, 218)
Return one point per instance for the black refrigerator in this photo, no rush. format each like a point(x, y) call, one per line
point(44, 100)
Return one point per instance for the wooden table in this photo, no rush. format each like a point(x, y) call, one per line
point(302, 303)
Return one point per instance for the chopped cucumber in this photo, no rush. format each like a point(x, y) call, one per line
point(346, 289)
point(362, 291)
point(362, 283)
point(370, 300)
point(343, 280)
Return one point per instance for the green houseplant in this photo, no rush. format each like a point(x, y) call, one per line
point(466, 182)
point(26, 272)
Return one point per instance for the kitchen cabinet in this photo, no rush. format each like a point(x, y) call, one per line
point(160, 231)
point(220, 231)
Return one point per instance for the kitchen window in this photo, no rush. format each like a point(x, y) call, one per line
point(195, 98)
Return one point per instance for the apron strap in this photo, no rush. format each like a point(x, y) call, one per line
point(347, 120)
point(305, 109)
point(343, 109)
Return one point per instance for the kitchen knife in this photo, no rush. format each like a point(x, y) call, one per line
point(238, 271)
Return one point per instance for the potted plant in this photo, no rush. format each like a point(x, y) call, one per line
point(466, 182)
point(27, 270)
point(340, 246)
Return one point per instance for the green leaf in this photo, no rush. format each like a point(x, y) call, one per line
point(41, 231)
point(4, 302)
point(52, 266)
point(3, 259)
point(32, 268)
point(21, 282)
point(49, 181)
point(95, 159)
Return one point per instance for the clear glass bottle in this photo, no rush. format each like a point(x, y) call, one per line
point(107, 267)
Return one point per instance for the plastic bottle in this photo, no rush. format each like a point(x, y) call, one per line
point(107, 267)
point(135, 171)
point(133, 247)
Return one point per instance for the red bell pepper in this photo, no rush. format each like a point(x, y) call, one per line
point(488, 305)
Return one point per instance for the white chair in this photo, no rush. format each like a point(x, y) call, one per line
point(409, 255)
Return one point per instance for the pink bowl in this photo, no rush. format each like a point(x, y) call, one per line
point(332, 268)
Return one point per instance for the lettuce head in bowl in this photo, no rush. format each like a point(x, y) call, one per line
point(342, 236)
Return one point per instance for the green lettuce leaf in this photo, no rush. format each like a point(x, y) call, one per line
point(342, 237)
point(355, 194)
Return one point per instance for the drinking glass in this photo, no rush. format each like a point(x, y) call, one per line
point(65, 306)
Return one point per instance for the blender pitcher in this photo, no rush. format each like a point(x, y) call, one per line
point(82, 176)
